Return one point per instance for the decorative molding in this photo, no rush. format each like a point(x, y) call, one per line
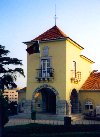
point(46, 86)
point(46, 51)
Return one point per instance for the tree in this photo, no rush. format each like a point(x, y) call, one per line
point(8, 77)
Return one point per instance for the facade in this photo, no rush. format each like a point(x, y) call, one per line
point(90, 93)
point(21, 94)
point(21, 99)
point(55, 75)
point(11, 94)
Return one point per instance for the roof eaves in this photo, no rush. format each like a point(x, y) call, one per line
point(89, 90)
point(80, 47)
point(44, 40)
point(84, 57)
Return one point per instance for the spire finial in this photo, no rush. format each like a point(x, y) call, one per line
point(55, 15)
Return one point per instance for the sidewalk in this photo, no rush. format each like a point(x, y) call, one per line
point(42, 116)
point(25, 118)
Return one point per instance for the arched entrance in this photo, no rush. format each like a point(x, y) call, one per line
point(74, 101)
point(48, 100)
point(44, 99)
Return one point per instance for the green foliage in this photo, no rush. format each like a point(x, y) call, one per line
point(8, 75)
point(13, 108)
point(4, 110)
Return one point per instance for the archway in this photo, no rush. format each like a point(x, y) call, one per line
point(44, 99)
point(75, 107)
point(48, 100)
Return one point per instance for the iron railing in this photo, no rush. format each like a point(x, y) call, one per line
point(45, 74)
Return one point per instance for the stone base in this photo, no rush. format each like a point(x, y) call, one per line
point(27, 106)
point(61, 107)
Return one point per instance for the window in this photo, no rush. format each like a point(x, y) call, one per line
point(88, 105)
point(45, 67)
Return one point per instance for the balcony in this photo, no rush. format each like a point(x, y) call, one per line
point(45, 74)
point(76, 77)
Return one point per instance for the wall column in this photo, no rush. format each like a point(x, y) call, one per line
point(61, 107)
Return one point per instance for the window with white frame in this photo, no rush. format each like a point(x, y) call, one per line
point(45, 67)
point(88, 105)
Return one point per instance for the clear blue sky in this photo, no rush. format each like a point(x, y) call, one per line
point(23, 20)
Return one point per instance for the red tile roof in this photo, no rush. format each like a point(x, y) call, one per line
point(51, 34)
point(93, 82)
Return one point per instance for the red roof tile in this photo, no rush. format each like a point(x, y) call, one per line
point(51, 34)
point(93, 82)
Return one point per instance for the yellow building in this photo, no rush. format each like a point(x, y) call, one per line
point(55, 73)
point(21, 99)
point(90, 93)
point(11, 94)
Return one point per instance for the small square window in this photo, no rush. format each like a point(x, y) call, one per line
point(86, 107)
point(91, 106)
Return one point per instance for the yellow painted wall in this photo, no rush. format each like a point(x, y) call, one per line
point(63, 53)
point(21, 96)
point(57, 50)
point(73, 53)
point(94, 96)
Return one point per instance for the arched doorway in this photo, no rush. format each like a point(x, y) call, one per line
point(74, 101)
point(48, 100)
point(44, 99)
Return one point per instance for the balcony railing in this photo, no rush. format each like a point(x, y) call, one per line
point(45, 74)
point(76, 76)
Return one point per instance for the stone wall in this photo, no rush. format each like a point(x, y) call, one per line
point(61, 107)
point(27, 106)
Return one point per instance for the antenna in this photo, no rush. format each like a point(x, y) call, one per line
point(55, 15)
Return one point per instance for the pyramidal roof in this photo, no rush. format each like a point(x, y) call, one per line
point(93, 82)
point(51, 34)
